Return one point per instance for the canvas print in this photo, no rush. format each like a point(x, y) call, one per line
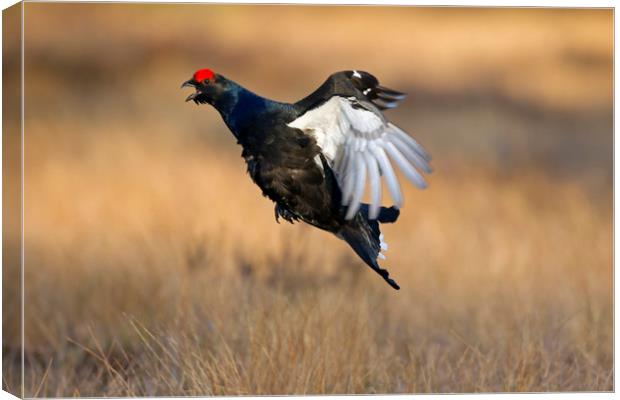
point(226, 199)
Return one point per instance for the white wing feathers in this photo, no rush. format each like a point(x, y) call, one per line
point(360, 145)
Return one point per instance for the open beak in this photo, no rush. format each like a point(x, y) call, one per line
point(190, 83)
point(192, 96)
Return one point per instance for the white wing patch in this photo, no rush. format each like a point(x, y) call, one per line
point(361, 146)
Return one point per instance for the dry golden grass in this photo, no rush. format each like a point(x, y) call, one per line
point(154, 267)
point(174, 279)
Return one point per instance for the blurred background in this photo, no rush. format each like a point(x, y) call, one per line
point(153, 266)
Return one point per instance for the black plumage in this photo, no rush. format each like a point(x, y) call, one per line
point(289, 165)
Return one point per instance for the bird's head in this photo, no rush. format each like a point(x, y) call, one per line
point(209, 86)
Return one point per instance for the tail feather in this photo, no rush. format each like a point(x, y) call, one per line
point(365, 238)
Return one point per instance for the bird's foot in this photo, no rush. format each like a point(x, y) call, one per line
point(284, 213)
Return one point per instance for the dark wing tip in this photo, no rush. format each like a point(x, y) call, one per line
point(368, 84)
point(389, 94)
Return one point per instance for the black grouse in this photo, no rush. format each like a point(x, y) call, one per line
point(314, 157)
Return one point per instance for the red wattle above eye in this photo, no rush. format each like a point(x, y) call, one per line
point(203, 74)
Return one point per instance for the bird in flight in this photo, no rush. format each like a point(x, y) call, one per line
point(314, 158)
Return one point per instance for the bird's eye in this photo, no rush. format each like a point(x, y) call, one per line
point(205, 81)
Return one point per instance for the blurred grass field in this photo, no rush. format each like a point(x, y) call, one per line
point(153, 266)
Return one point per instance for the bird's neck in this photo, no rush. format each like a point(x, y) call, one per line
point(239, 108)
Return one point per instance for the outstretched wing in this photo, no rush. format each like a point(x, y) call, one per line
point(361, 146)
